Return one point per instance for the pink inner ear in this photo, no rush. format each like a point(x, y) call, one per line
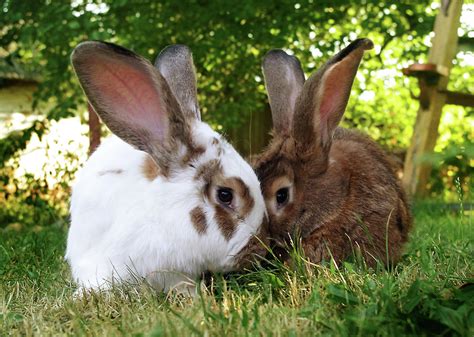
point(334, 92)
point(129, 93)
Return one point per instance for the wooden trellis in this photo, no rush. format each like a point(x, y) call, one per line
point(433, 80)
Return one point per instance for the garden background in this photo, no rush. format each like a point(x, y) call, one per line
point(44, 140)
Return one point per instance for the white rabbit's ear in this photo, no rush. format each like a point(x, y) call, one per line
point(132, 99)
point(322, 103)
point(175, 63)
point(284, 80)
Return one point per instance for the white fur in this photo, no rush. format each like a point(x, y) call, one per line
point(123, 225)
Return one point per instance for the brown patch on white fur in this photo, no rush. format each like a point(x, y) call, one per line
point(149, 169)
point(198, 218)
point(218, 145)
point(226, 222)
point(192, 153)
point(208, 170)
point(242, 190)
point(116, 171)
point(227, 218)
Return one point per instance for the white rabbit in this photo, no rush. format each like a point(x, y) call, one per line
point(168, 198)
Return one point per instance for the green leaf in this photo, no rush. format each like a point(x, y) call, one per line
point(339, 294)
point(412, 298)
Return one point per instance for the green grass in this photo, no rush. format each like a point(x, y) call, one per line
point(430, 292)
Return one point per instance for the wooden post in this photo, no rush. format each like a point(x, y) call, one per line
point(94, 129)
point(425, 133)
point(259, 130)
point(252, 137)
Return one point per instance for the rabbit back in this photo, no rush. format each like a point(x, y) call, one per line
point(359, 204)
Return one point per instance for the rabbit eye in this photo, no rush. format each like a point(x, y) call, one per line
point(282, 196)
point(225, 196)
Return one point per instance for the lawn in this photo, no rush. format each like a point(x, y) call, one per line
point(430, 292)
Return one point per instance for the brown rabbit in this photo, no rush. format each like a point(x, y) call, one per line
point(333, 187)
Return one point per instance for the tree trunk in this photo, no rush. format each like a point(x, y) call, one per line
point(94, 130)
point(253, 136)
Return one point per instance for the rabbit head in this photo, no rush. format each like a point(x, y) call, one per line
point(319, 181)
point(212, 209)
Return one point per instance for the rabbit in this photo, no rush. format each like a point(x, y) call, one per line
point(166, 198)
point(332, 189)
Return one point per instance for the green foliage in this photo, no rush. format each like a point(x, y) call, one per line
point(18, 140)
point(453, 168)
point(29, 201)
point(41, 198)
point(228, 38)
point(429, 293)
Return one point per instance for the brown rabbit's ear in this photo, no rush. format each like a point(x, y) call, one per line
point(325, 94)
point(175, 63)
point(132, 99)
point(284, 80)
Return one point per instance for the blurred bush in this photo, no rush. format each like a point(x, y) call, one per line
point(35, 183)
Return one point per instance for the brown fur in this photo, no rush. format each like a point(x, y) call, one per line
point(225, 221)
point(255, 249)
point(208, 170)
point(247, 202)
point(150, 169)
point(335, 205)
point(226, 218)
point(290, 82)
point(344, 193)
point(198, 218)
